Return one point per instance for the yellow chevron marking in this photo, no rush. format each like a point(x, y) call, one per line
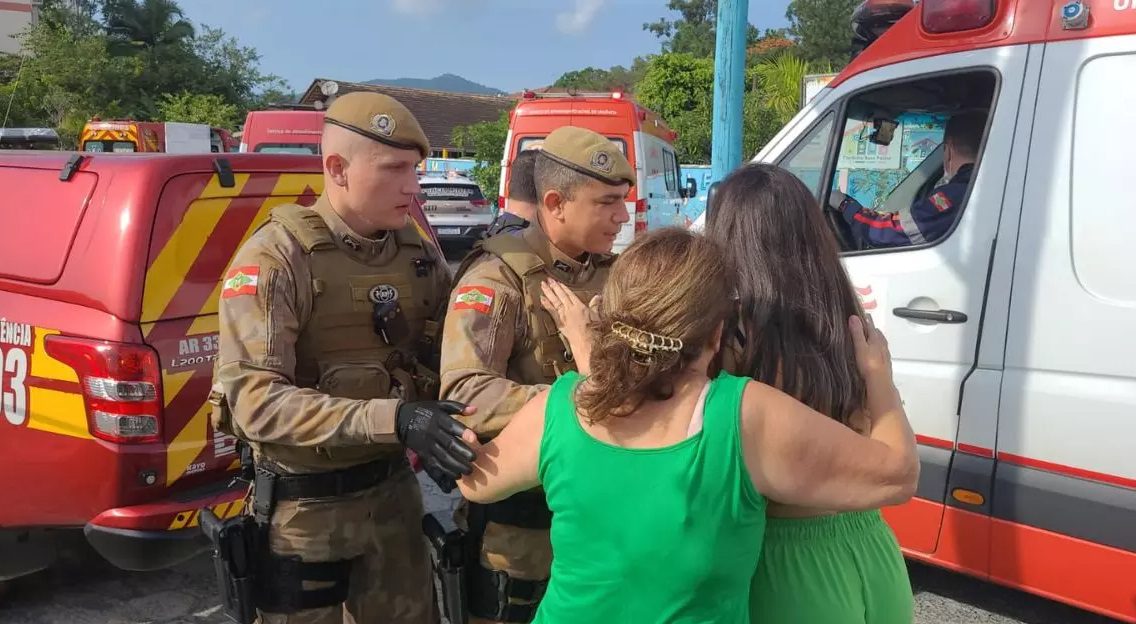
point(172, 383)
point(206, 324)
point(181, 520)
point(45, 366)
point(168, 271)
point(187, 444)
point(58, 412)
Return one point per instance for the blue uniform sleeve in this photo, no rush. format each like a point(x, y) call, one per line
point(934, 215)
point(930, 219)
point(881, 229)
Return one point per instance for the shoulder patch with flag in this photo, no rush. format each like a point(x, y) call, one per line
point(479, 298)
point(941, 201)
point(241, 281)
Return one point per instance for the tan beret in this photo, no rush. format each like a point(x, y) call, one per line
point(378, 117)
point(589, 153)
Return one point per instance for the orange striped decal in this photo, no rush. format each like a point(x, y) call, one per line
point(128, 134)
point(191, 518)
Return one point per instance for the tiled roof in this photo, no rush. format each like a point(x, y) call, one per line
point(439, 112)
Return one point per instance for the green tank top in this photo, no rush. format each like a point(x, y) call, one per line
point(671, 534)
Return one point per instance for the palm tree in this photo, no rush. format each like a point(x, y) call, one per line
point(147, 27)
point(780, 83)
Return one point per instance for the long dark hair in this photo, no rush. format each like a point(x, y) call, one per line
point(794, 294)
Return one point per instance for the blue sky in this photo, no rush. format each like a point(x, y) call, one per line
point(506, 44)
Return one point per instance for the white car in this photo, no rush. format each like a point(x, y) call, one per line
point(455, 207)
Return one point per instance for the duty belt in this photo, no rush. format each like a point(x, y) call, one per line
point(528, 510)
point(288, 486)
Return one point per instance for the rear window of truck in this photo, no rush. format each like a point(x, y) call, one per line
point(41, 215)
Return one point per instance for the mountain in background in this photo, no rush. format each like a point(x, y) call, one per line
point(445, 82)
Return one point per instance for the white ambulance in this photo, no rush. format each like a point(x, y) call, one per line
point(1014, 333)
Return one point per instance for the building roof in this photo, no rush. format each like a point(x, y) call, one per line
point(439, 112)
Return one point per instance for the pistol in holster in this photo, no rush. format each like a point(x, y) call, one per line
point(448, 559)
point(237, 546)
point(240, 545)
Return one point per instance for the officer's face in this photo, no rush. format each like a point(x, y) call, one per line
point(382, 185)
point(591, 219)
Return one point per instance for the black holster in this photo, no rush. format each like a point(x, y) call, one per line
point(491, 591)
point(448, 560)
point(237, 544)
point(250, 576)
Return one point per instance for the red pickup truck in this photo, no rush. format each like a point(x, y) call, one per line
point(110, 269)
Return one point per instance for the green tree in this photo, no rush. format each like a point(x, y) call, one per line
point(62, 80)
point(487, 140)
point(587, 79)
point(146, 26)
point(675, 83)
point(75, 16)
point(680, 88)
point(231, 70)
point(596, 79)
point(760, 123)
point(823, 29)
point(204, 108)
point(769, 45)
point(779, 81)
point(695, 31)
point(68, 74)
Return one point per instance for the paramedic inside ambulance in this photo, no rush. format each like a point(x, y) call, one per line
point(929, 218)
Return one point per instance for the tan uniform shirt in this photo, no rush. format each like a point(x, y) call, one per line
point(480, 341)
point(259, 328)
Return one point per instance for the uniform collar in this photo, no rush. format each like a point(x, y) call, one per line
point(963, 174)
point(558, 264)
point(508, 219)
point(356, 246)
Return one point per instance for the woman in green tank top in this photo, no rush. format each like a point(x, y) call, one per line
point(817, 565)
point(657, 474)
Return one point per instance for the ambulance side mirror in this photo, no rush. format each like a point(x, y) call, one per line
point(691, 189)
point(711, 195)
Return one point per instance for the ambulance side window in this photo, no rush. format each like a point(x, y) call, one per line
point(670, 170)
point(807, 159)
point(893, 184)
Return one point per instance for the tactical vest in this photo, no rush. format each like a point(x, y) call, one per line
point(542, 354)
point(339, 351)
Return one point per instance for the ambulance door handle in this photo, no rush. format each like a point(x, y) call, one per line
point(935, 316)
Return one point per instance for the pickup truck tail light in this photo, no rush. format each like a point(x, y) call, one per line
point(121, 386)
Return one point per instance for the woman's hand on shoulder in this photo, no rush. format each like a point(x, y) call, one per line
point(574, 319)
point(873, 357)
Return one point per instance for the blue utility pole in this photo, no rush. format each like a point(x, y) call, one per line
point(729, 87)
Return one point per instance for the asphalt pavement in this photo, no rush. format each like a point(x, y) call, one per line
point(83, 589)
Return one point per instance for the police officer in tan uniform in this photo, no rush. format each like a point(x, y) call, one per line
point(329, 319)
point(521, 201)
point(500, 347)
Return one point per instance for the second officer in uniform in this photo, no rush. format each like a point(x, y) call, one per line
point(521, 202)
point(329, 320)
point(501, 347)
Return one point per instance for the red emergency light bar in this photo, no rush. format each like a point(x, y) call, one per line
point(532, 95)
point(872, 18)
point(947, 16)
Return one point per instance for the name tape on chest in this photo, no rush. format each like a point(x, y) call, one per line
point(477, 298)
point(241, 281)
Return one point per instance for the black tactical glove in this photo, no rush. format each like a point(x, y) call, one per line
point(439, 476)
point(428, 429)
